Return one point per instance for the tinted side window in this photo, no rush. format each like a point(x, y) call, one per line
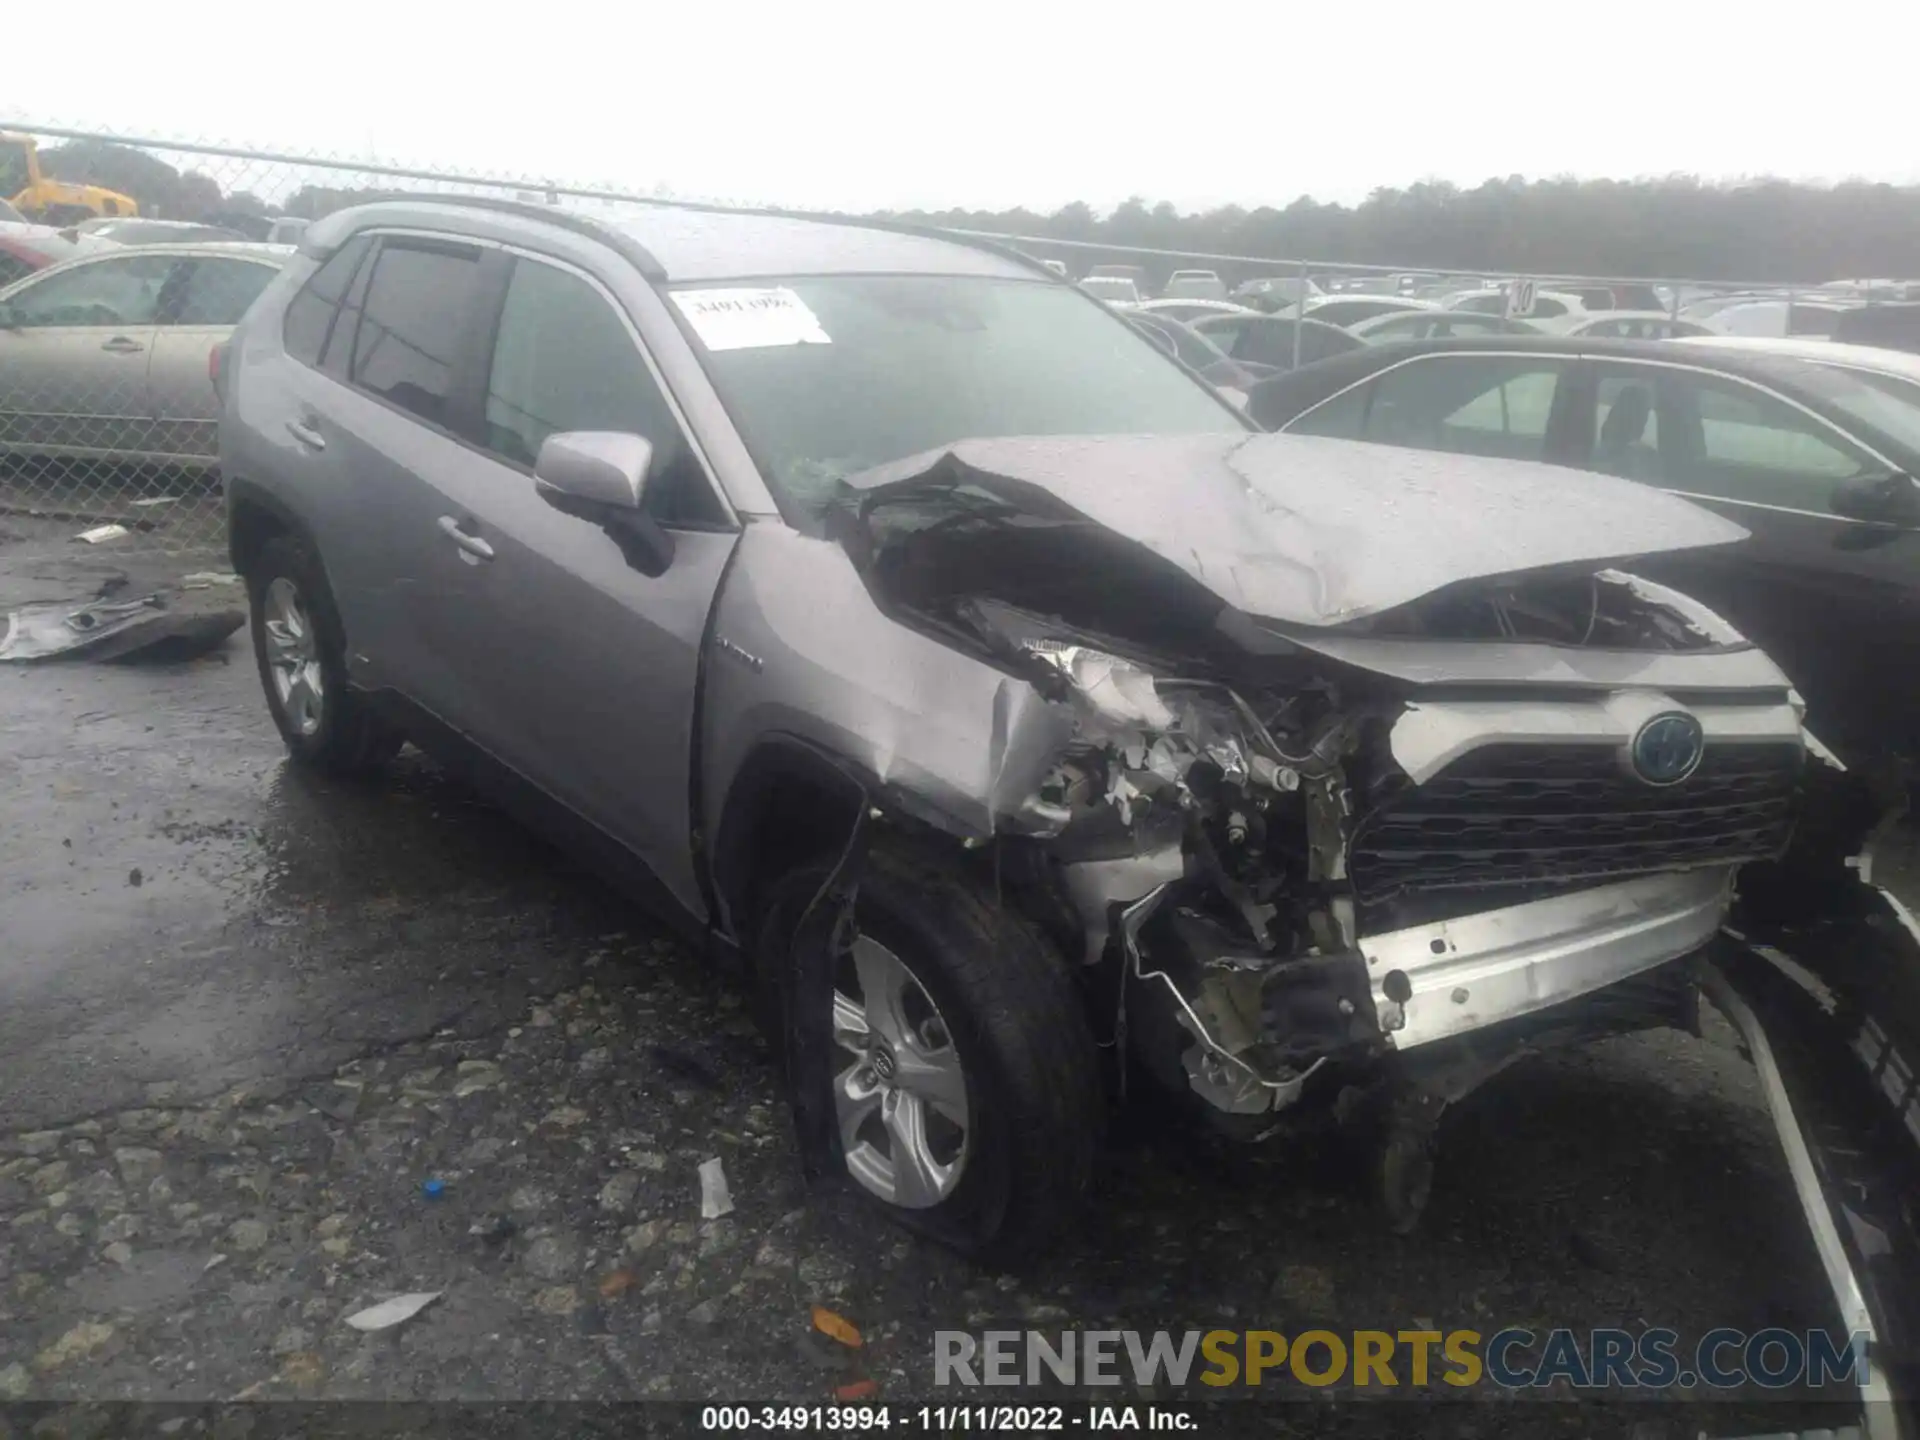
point(1497, 405)
point(218, 292)
point(310, 313)
point(1744, 444)
point(124, 291)
point(418, 303)
point(565, 360)
point(1545, 309)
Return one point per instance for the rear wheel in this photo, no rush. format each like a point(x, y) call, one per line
point(941, 1049)
point(300, 651)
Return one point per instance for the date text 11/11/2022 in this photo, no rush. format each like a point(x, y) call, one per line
point(944, 1419)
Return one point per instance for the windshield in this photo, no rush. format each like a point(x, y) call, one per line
point(859, 370)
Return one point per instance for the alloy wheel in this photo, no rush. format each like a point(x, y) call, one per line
point(901, 1102)
point(293, 657)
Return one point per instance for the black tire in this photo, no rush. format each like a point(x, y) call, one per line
point(346, 738)
point(1037, 1108)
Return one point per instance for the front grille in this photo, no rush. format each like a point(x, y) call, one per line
point(1532, 815)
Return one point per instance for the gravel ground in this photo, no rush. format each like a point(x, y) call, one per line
point(246, 1016)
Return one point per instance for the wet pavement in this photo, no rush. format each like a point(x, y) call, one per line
point(245, 1015)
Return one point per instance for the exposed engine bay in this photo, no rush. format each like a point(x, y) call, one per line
point(1252, 839)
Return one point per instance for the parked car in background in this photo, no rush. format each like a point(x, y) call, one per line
point(1136, 273)
point(1191, 348)
point(1191, 310)
point(699, 539)
point(1264, 344)
point(1704, 307)
point(1114, 289)
point(137, 230)
point(26, 247)
point(1891, 325)
point(287, 230)
point(108, 356)
point(1435, 325)
point(1547, 304)
point(1351, 309)
point(1623, 325)
point(1194, 285)
point(1815, 462)
point(1275, 292)
point(1776, 318)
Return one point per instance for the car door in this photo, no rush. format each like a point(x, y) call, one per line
point(74, 347)
point(202, 304)
point(578, 670)
point(1514, 406)
point(388, 423)
point(1832, 599)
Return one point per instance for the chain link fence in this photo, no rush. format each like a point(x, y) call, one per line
point(125, 261)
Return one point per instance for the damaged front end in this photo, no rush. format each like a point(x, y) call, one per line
point(1304, 857)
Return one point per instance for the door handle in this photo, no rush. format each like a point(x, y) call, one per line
point(472, 548)
point(307, 434)
point(121, 345)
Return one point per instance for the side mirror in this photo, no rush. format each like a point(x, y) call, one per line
point(601, 476)
point(1878, 499)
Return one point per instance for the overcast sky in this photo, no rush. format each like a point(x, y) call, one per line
point(991, 104)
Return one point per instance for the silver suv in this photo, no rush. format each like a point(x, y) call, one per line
point(898, 619)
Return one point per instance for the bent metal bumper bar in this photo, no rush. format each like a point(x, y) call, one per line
point(1452, 976)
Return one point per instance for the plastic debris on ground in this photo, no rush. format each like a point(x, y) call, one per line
point(102, 532)
point(123, 629)
point(433, 1189)
point(836, 1326)
point(389, 1313)
point(715, 1200)
point(207, 579)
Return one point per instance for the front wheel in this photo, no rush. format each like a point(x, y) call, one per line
point(941, 1047)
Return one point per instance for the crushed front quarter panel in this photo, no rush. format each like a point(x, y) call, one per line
point(800, 651)
point(1310, 531)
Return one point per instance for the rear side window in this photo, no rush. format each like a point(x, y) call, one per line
point(311, 312)
point(1468, 405)
point(218, 292)
point(418, 304)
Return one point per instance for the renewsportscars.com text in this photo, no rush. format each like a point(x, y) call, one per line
point(1514, 1358)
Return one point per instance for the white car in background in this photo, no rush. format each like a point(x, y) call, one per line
point(1777, 319)
point(1194, 285)
point(1188, 311)
point(1622, 325)
point(1547, 304)
point(1116, 290)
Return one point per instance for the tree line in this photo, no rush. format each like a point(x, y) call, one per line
point(1760, 230)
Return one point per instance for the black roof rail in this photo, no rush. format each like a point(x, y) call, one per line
point(651, 267)
point(587, 225)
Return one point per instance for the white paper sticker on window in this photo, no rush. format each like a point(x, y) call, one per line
point(737, 319)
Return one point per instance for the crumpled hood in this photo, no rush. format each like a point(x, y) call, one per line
point(1310, 531)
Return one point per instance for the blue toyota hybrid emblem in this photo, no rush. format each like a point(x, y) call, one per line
point(1668, 748)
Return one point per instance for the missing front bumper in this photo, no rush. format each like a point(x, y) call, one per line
point(1450, 977)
